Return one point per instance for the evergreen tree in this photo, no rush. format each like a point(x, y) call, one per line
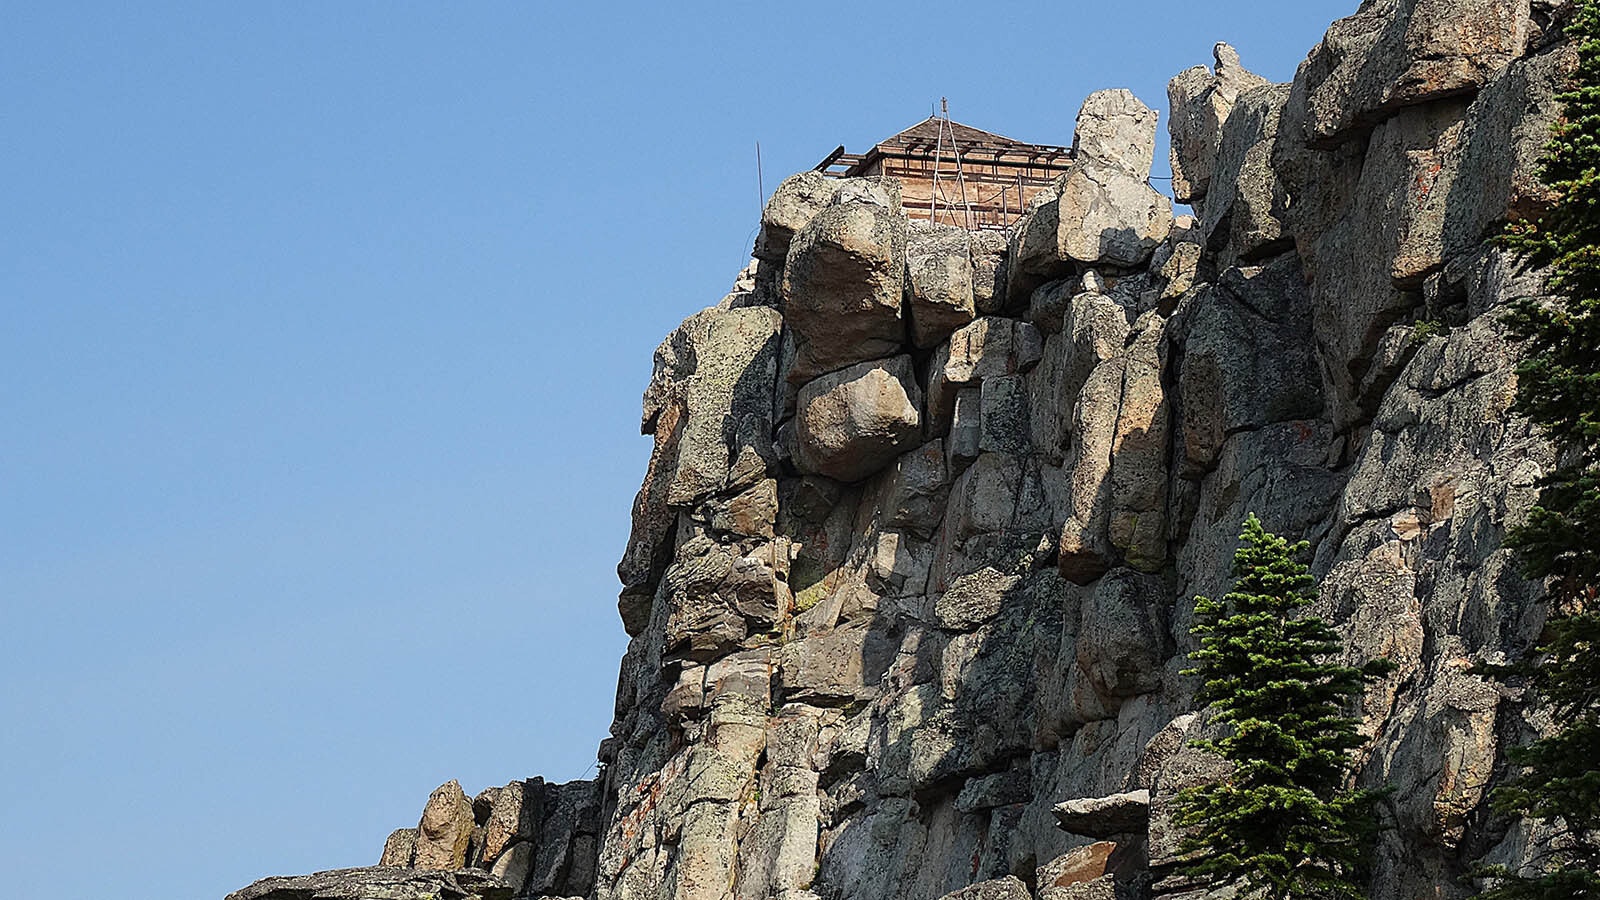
point(1284, 823)
point(1558, 388)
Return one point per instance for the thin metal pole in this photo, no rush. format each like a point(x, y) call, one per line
point(938, 157)
point(761, 187)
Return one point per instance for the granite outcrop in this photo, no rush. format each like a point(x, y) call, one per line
point(912, 567)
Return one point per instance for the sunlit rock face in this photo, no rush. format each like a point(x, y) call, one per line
point(912, 568)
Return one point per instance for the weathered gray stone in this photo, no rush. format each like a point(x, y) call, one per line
point(1115, 128)
point(1103, 817)
point(1249, 358)
point(1007, 888)
point(1003, 408)
point(965, 439)
point(999, 789)
point(1106, 215)
point(400, 848)
point(709, 406)
point(987, 348)
point(973, 599)
point(1396, 53)
point(853, 422)
point(916, 491)
point(1033, 250)
point(1201, 102)
point(843, 280)
point(1122, 637)
point(1242, 216)
point(1498, 158)
point(1048, 304)
point(940, 295)
point(840, 665)
point(794, 203)
point(988, 250)
point(379, 883)
point(1136, 519)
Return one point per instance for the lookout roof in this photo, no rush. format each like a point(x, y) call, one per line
point(922, 139)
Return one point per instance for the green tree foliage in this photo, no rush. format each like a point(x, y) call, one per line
point(1559, 389)
point(1285, 823)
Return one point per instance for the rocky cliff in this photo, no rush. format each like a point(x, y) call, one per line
point(913, 565)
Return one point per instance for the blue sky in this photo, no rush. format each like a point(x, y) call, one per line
point(324, 331)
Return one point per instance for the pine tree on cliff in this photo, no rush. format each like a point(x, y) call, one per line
point(1558, 388)
point(1284, 823)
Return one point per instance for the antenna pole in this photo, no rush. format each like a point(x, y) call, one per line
point(761, 188)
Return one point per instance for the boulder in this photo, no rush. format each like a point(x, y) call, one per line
point(794, 203)
point(709, 406)
point(514, 816)
point(514, 865)
point(988, 253)
point(400, 848)
point(1106, 214)
point(1003, 408)
point(915, 494)
point(1033, 249)
point(843, 281)
point(1507, 128)
point(973, 599)
point(445, 830)
point(1396, 53)
point(1103, 817)
point(1114, 128)
point(1249, 358)
point(1242, 215)
point(853, 422)
point(1201, 102)
point(940, 295)
point(1122, 638)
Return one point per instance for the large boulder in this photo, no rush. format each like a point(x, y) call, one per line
point(1201, 102)
point(1242, 215)
point(1108, 215)
point(445, 829)
point(1249, 358)
point(1116, 129)
point(1033, 254)
point(940, 294)
point(843, 280)
point(400, 848)
point(1507, 128)
point(853, 422)
point(1396, 53)
point(794, 203)
point(1103, 817)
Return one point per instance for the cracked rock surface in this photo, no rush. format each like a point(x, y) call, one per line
point(912, 567)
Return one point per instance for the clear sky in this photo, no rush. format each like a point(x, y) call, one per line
point(324, 331)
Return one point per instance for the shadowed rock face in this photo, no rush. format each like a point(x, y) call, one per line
point(913, 565)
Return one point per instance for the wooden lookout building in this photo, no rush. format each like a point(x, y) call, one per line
point(954, 174)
